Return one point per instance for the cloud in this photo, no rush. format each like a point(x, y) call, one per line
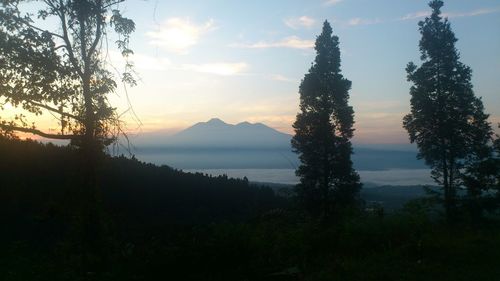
point(146, 62)
point(369, 106)
point(281, 78)
point(416, 15)
point(478, 12)
point(178, 34)
point(360, 21)
point(153, 63)
point(219, 68)
point(332, 2)
point(140, 61)
point(303, 21)
point(293, 42)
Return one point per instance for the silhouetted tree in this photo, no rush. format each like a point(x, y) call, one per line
point(323, 130)
point(55, 62)
point(447, 121)
point(62, 70)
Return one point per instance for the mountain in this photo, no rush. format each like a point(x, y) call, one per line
point(216, 144)
point(216, 133)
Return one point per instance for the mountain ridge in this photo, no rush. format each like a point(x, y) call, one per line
point(217, 144)
point(217, 133)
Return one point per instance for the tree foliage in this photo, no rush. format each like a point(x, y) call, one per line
point(54, 62)
point(323, 130)
point(482, 180)
point(446, 121)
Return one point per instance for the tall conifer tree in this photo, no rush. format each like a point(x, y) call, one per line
point(446, 121)
point(323, 129)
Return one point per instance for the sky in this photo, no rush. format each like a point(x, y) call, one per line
point(244, 60)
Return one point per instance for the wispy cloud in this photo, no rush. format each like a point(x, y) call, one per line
point(293, 42)
point(140, 61)
point(179, 34)
point(145, 62)
point(219, 68)
point(303, 21)
point(478, 12)
point(473, 13)
point(151, 63)
point(332, 2)
point(369, 106)
point(361, 21)
point(416, 15)
point(281, 78)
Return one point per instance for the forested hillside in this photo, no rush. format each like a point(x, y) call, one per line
point(163, 223)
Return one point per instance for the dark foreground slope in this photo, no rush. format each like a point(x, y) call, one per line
point(45, 179)
point(167, 225)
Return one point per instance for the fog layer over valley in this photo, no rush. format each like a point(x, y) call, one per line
point(264, 154)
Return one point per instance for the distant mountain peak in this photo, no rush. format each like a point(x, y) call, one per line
point(217, 133)
point(215, 121)
point(245, 123)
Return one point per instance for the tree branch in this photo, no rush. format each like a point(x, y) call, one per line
point(55, 110)
point(61, 46)
point(98, 32)
point(43, 30)
point(71, 54)
point(38, 132)
point(113, 3)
